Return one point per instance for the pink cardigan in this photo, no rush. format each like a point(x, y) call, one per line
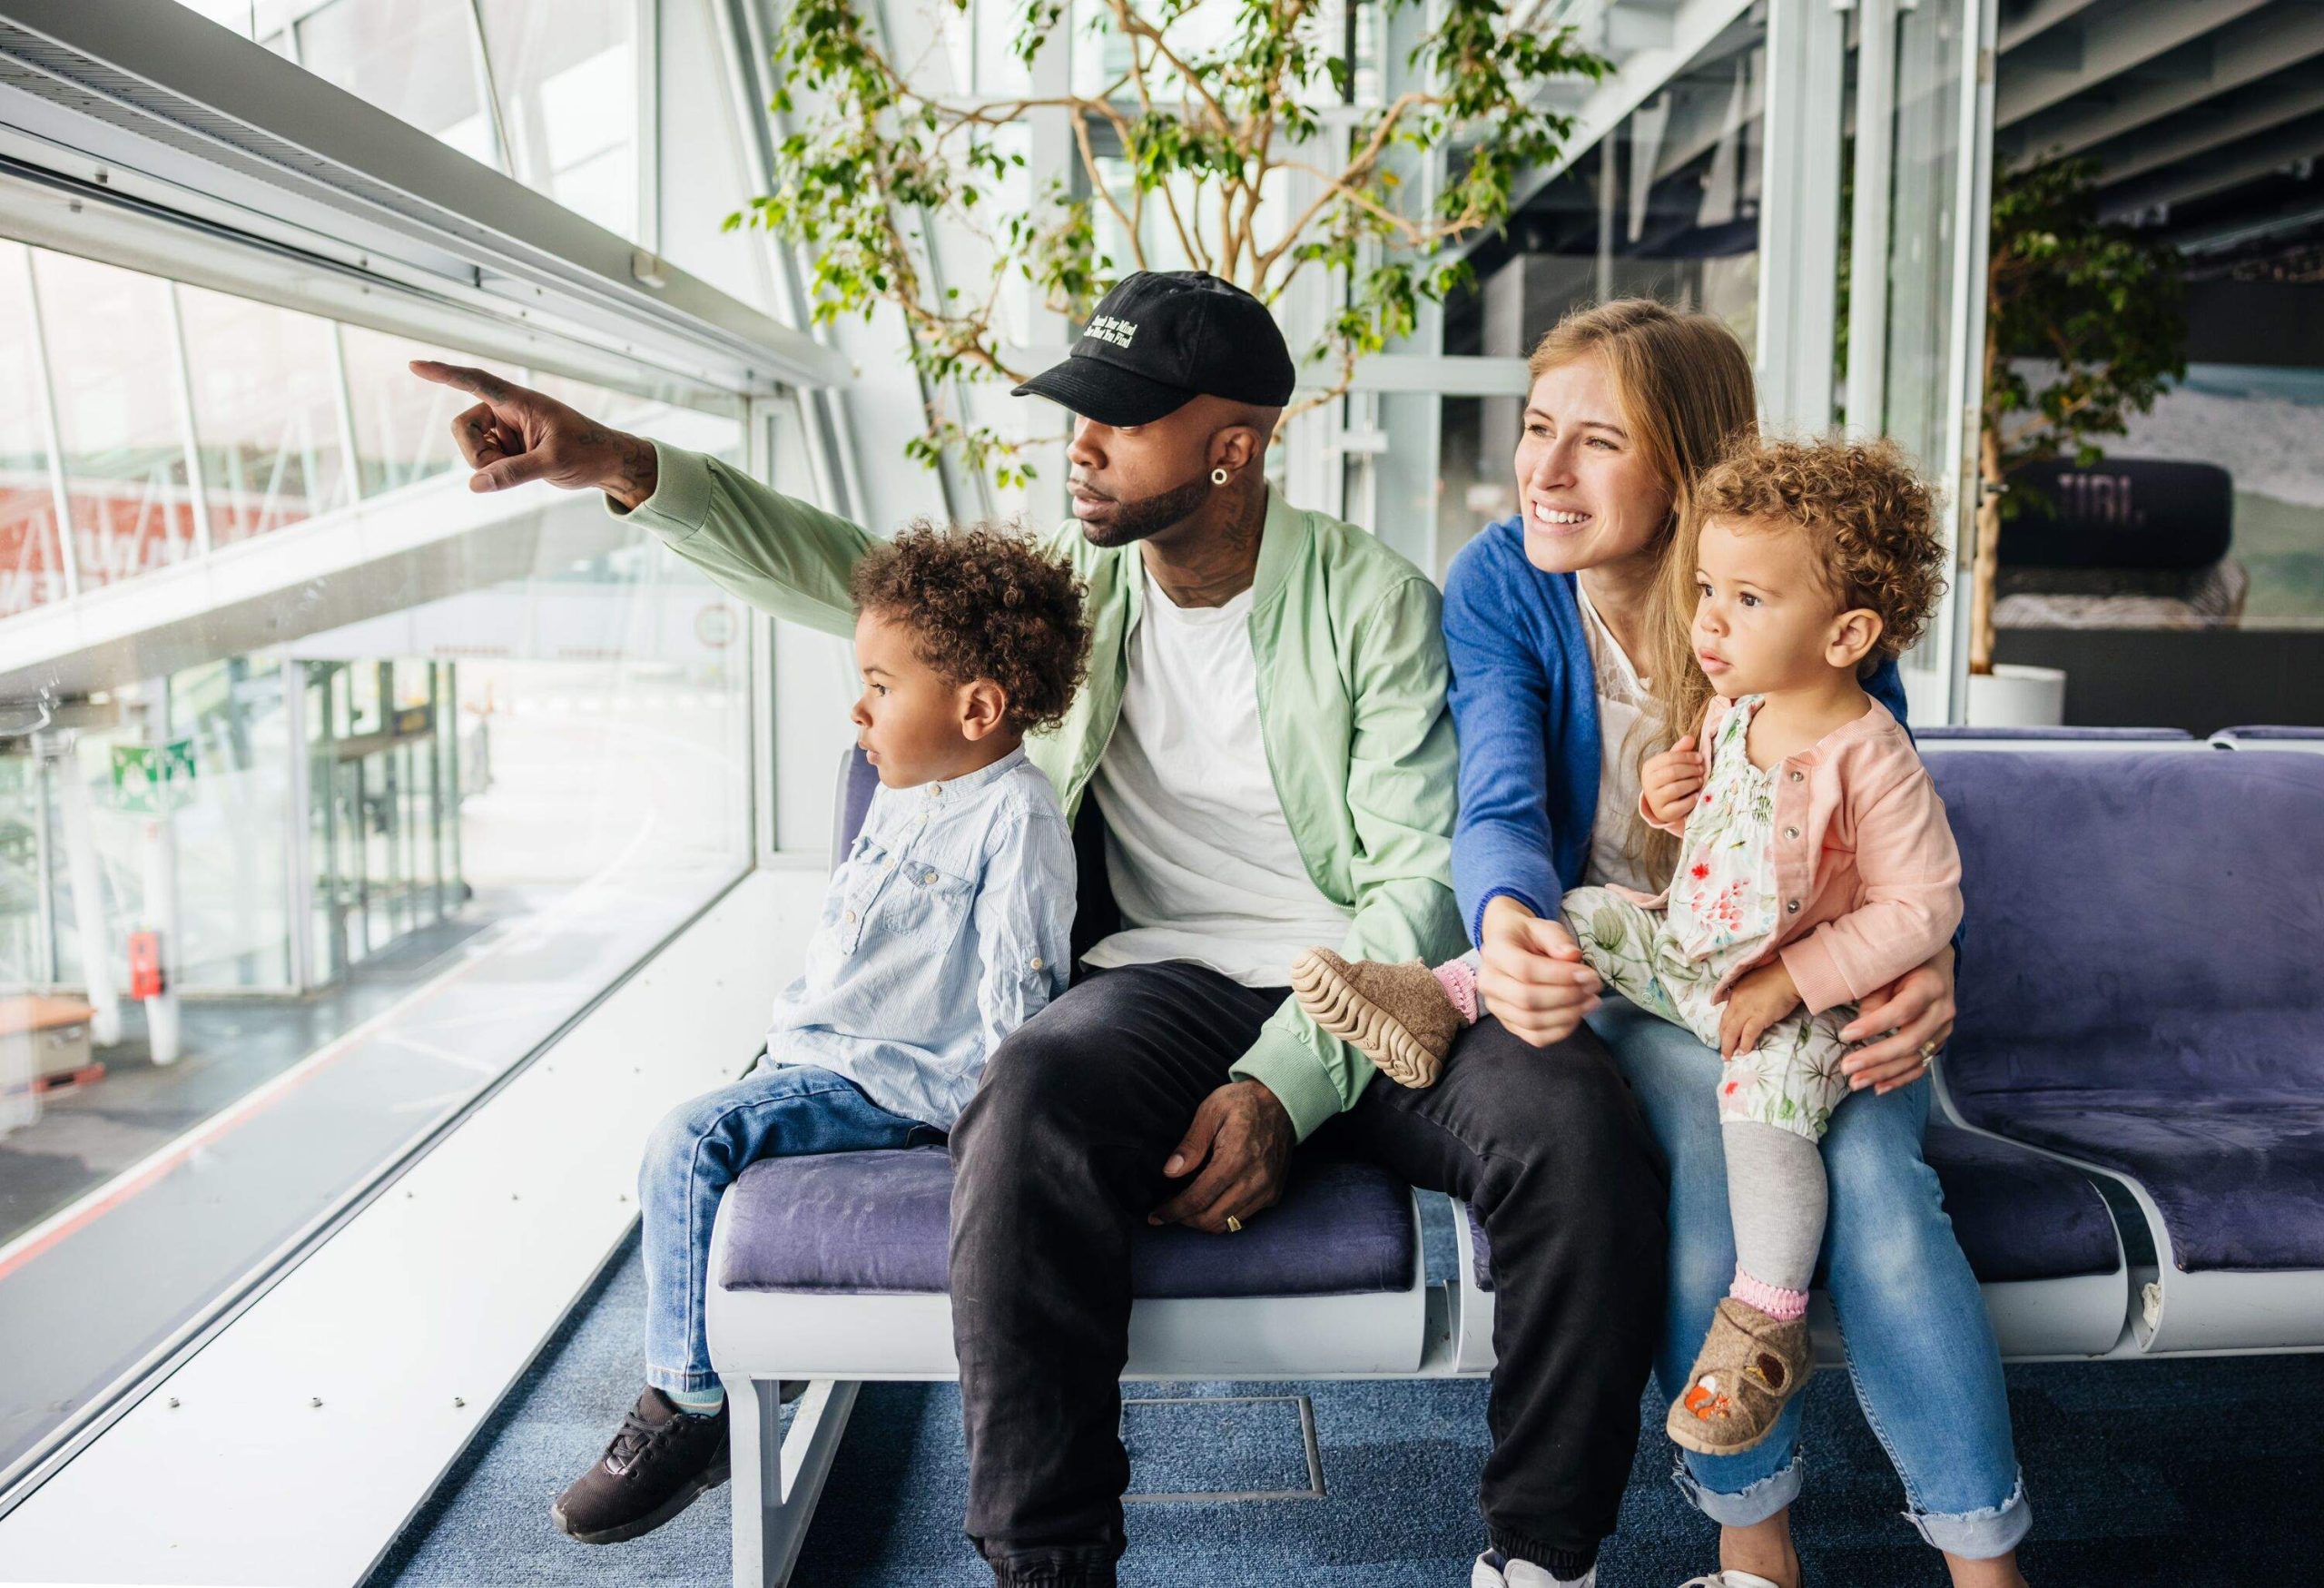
point(1865, 867)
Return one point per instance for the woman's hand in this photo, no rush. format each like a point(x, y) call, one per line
point(1532, 978)
point(1757, 999)
point(1916, 1012)
point(1673, 782)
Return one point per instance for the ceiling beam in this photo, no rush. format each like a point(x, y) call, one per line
point(2037, 18)
point(2243, 53)
point(2282, 99)
point(2253, 159)
point(2128, 38)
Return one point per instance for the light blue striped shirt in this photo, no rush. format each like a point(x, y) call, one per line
point(948, 926)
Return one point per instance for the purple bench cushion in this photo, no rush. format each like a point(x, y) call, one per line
point(2141, 987)
point(2017, 1215)
point(877, 1223)
point(2274, 730)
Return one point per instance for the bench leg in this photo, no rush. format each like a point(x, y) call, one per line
point(777, 1479)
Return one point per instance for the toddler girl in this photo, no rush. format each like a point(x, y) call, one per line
point(1815, 867)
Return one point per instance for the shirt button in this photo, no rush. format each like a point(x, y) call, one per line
point(1791, 832)
point(929, 877)
point(1036, 962)
point(922, 818)
point(1792, 908)
point(849, 918)
point(888, 866)
point(1797, 774)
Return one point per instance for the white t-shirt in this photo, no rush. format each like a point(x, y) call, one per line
point(1625, 700)
point(1201, 856)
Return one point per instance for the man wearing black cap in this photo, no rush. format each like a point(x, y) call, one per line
point(1268, 763)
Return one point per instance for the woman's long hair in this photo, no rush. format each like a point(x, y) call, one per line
point(1685, 387)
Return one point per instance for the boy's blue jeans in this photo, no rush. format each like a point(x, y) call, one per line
point(700, 1147)
point(1928, 1372)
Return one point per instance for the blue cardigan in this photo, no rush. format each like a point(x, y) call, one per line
point(1525, 700)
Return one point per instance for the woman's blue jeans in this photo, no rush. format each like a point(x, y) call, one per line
point(1925, 1368)
point(700, 1147)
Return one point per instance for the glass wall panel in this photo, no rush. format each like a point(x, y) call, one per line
point(706, 174)
point(568, 79)
point(1665, 206)
point(415, 59)
point(420, 809)
point(31, 571)
point(266, 413)
point(403, 426)
point(1923, 281)
point(110, 353)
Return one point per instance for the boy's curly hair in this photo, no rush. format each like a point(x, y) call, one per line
point(1872, 519)
point(984, 602)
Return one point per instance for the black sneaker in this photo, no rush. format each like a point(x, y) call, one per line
point(655, 1467)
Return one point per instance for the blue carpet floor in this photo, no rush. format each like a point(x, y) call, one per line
point(2204, 1471)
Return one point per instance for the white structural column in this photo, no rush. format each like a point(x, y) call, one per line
point(197, 488)
point(160, 911)
point(1948, 641)
point(1875, 149)
point(1799, 222)
point(87, 882)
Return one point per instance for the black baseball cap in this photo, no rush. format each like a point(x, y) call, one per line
point(1163, 338)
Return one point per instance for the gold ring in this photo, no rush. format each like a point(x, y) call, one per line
point(1234, 1225)
point(1928, 1051)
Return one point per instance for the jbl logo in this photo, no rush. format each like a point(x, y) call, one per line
point(2099, 499)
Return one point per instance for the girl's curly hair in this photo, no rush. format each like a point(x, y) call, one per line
point(1872, 519)
point(984, 602)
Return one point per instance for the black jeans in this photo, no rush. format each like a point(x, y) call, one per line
point(1059, 1156)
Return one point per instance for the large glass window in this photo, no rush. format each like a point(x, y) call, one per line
point(403, 430)
point(567, 76)
point(1665, 205)
point(266, 406)
point(118, 418)
point(413, 58)
point(283, 884)
point(31, 569)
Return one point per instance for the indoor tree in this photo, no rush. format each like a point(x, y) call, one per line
point(1189, 149)
point(2085, 325)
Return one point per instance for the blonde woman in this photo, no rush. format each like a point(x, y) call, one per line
point(1556, 638)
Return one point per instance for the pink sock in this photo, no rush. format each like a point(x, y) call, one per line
point(1781, 1304)
point(1459, 980)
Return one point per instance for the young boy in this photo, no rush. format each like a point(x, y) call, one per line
point(947, 927)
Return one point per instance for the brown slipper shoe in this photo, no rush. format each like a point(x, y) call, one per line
point(1749, 1367)
point(1397, 1016)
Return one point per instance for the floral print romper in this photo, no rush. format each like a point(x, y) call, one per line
point(1719, 912)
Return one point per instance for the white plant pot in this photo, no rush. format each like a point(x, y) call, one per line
point(2014, 696)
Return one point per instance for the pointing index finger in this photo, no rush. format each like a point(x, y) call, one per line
point(476, 382)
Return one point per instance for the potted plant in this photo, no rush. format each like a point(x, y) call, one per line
point(2085, 325)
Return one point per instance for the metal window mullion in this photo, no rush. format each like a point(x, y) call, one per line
point(1868, 224)
point(503, 156)
point(743, 44)
point(44, 871)
point(1966, 340)
point(346, 405)
point(182, 371)
point(647, 15)
point(1800, 218)
point(299, 855)
point(762, 448)
point(53, 433)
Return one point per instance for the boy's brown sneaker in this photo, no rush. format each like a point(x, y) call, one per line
point(1397, 1016)
point(657, 1465)
point(1750, 1365)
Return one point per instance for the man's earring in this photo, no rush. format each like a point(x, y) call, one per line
point(1218, 475)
